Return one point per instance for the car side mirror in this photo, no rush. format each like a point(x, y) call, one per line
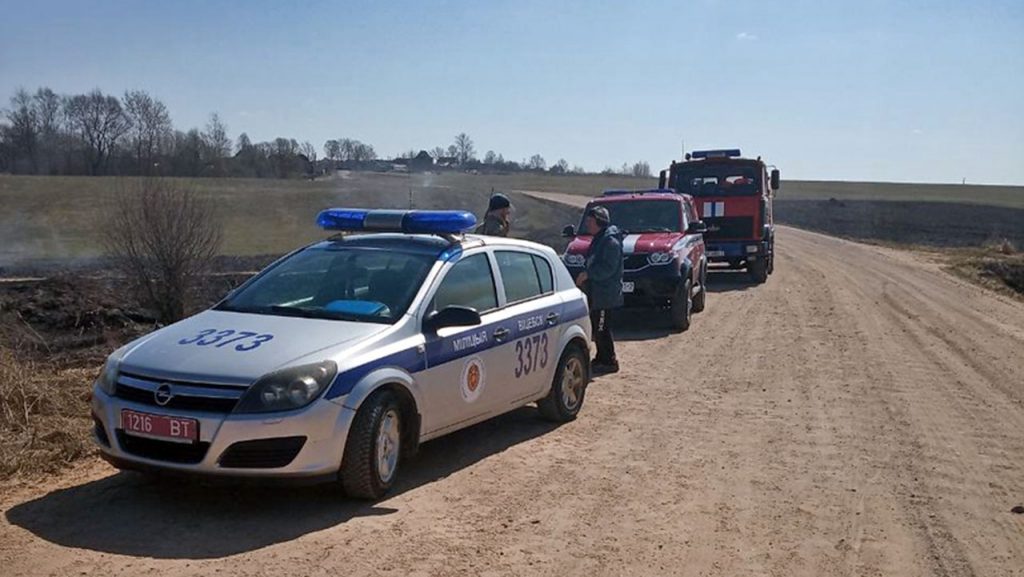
point(775, 179)
point(696, 227)
point(451, 316)
point(569, 230)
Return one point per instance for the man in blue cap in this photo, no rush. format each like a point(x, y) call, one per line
point(602, 281)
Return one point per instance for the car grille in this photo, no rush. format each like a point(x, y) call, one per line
point(729, 227)
point(262, 453)
point(634, 261)
point(185, 453)
point(187, 397)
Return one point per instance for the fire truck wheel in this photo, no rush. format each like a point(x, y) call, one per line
point(758, 270)
point(682, 305)
point(700, 301)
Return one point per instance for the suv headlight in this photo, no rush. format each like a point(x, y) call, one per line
point(288, 389)
point(660, 258)
point(574, 259)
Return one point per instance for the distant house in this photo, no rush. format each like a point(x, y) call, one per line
point(422, 162)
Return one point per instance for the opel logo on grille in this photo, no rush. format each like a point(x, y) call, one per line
point(163, 395)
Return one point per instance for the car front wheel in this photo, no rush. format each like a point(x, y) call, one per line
point(682, 306)
point(373, 451)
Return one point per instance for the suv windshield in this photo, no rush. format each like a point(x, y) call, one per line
point(331, 282)
point(638, 216)
point(718, 180)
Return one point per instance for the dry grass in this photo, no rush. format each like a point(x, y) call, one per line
point(998, 266)
point(44, 415)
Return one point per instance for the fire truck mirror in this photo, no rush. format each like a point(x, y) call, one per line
point(569, 230)
point(775, 179)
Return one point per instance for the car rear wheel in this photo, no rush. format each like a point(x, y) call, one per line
point(565, 399)
point(374, 448)
point(682, 306)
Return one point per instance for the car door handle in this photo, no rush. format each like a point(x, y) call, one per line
point(552, 318)
point(501, 333)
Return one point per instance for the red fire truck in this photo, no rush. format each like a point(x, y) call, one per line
point(734, 199)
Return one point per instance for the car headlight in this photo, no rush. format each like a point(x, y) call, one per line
point(107, 381)
point(574, 259)
point(660, 257)
point(288, 389)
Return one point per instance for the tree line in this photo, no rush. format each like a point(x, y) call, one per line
point(43, 132)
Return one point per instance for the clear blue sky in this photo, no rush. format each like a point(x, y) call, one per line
point(868, 90)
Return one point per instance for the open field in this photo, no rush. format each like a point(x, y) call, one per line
point(55, 219)
point(859, 414)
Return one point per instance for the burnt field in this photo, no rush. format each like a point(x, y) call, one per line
point(936, 224)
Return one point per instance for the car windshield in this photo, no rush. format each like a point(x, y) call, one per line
point(638, 216)
point(331, 282)
point(718, 180)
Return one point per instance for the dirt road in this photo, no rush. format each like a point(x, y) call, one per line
point(860, 414)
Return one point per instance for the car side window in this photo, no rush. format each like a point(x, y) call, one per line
point(470, 283)
point(519, 275)
point(544, 274)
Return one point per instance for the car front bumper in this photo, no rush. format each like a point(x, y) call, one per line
point(268, 441)
point(735, 251)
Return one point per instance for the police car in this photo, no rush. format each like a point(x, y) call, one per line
point(341, 357)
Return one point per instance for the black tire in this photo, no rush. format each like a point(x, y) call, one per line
point(361, 474)
point(682, 306)
point(758, 270)
point(557, 406)
point(700, 301)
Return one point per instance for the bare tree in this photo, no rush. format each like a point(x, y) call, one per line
point(537, 163)
point(464, 148)
point(216, 145)
point(332, 150)
point(162, 237)
point(453, 151)
point(48, 116)
point(437, 152)
point(641, 169)
point(23, 132)
point(101, 123)
point(151, 126)
point(560, 167)
point(490, 157)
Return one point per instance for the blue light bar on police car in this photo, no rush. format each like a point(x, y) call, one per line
point(406, 221)
point(727, 153)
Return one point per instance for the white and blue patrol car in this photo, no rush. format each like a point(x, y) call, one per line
point(341, 357)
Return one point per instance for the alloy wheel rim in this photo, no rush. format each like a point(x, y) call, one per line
point(572, 383)
point(388, 444)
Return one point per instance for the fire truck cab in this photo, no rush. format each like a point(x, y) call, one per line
point(734, 198)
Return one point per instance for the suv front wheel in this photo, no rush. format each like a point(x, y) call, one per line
point(682, 305)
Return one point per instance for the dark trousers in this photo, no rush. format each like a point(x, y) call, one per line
point(600, 323)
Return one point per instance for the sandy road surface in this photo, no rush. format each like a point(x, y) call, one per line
point(860, 414)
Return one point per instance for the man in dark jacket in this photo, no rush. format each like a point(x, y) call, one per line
point(602, 281)
point(496, 220)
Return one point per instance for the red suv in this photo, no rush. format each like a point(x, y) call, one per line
point(663, 250)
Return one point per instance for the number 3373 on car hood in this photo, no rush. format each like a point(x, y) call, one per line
point(240, 346)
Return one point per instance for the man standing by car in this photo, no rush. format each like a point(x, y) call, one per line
point(496, 221)
point(602, 281)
